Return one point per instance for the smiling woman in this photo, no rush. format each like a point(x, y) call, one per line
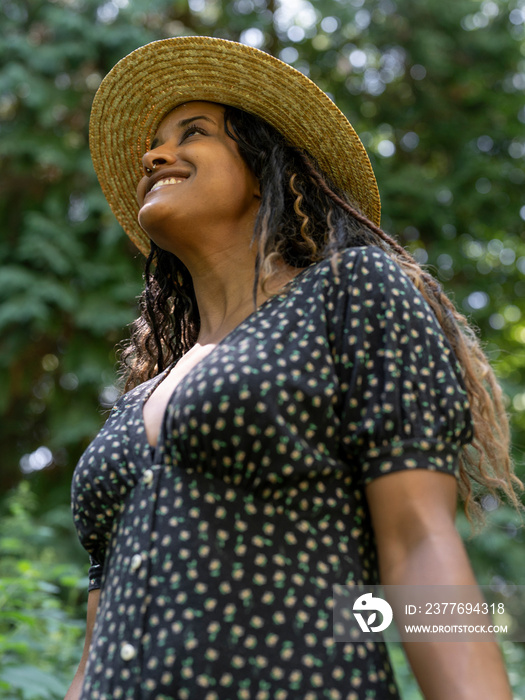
point(302, 402)
point(220, 197)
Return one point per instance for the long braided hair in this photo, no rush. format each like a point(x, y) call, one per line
point(302, 219)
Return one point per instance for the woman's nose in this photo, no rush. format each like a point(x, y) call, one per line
point(155, 158)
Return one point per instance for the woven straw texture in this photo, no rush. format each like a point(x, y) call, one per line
point(148, 83)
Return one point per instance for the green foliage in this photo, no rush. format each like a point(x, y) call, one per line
point(42, 611)
point(493, 551)
point(513, 654)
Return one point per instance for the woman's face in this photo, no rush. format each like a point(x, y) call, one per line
point(201, 192)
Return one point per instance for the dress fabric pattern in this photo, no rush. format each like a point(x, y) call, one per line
point(217, 551)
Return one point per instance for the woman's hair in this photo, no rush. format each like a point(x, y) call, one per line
point(302, 219)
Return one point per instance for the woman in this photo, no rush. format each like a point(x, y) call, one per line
point(300, 395)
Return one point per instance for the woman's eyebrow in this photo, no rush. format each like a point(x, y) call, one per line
point(185, 122)
point(181, 124)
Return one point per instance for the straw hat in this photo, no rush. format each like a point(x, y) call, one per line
point(148, 83)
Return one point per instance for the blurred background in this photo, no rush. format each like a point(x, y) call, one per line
point(435, 89)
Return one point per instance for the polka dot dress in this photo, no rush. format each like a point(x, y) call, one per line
point(217, 551)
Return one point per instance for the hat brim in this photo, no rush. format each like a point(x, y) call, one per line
point(154, 79)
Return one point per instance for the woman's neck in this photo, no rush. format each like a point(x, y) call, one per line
point(224, 292)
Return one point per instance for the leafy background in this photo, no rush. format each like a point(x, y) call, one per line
point(436, 91)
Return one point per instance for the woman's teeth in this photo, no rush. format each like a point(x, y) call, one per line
point(167, 181)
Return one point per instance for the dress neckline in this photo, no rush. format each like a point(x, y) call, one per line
point(285, 290)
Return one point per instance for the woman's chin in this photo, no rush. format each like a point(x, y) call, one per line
point(154, 223)
point(158, 235)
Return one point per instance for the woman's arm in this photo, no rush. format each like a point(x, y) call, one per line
point(413, 518)
point(76, 686)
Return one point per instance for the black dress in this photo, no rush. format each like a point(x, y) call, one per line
point(217, 551)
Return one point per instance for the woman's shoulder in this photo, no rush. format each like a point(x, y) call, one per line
point(368, 260)
point(367, 267)
point(366, 282)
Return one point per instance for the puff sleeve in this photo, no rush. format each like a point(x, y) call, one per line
point(404, 403)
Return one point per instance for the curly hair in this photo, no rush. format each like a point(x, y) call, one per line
point(303, 219)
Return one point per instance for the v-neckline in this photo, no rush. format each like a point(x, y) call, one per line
point(283, 293)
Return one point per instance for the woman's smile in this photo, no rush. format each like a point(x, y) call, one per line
point(165, 182)
point(162, 177)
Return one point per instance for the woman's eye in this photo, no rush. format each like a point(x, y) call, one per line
point(192, 130)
